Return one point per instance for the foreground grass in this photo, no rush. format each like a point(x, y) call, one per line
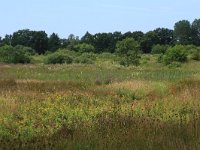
point(99, 107)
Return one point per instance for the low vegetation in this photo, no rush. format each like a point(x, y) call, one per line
point(100, 106)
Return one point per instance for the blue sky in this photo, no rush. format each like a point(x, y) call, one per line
point(78, 16)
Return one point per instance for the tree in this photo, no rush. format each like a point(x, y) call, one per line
point(137, 35)
point(127, 35)
point(54, 42)
point(196, 32)
point(165, 36)
point(149, 39)
point(103, 42)
point(183, 32)
point(37, 40)
point(6, 40)
point(87, 38)
point(117, 36)
point(72, 41)
point(22, 37)
point(1, 41)
point(129, 50)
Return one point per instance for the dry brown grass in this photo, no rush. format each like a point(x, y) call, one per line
point(8, 105)
point(186, 90)
point(132, 85)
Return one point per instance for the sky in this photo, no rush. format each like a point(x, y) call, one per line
point(66, 17)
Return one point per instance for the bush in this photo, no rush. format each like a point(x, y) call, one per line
point(160, 58)
point(86, 58)
point(27, 50)
point(159, 49)
point(196, 55)
point(190, 48)
point(174, 65)
point(17, 54)
point(145, 59)
point(177, 53)
point(107, 56)
point(124, 62)
point(84, 48)
point(133, 58)
point(128, 49)
point(59, 58)
point(193, 51)
point(130, 59)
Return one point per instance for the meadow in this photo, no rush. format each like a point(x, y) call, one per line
point(100, 106)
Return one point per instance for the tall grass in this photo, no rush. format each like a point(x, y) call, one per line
point(99, 107)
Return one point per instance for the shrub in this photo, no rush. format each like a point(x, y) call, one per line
point(190, 48)
point(84, 48)
point(174, 65)
point(86, 58)
point(83, 60)
point(160, 58)
point(130, 60)
point(195, 54)
point(59, 58)
point(133, 58)
point(128, 49)
point(124, 62)
point(145, 59)
point(106, 55)
point(17, 54)
point(159, 49)
point(177, 53)
point(27, 50)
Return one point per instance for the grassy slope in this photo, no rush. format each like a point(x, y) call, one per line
point(100, 106)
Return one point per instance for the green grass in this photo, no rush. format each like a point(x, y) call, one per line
point(100, 106)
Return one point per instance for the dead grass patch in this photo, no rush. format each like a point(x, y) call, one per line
point(132, 85)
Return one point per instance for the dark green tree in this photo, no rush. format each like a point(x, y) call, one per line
point(22, 37)
point(6, 40)
point(1, 41)
point(103, 42)
point(127, 35)
point(37, 40)
point(72, 41)
point(165, 36)
point(196, 32)
point(137, 35)
point(183, 32)
point(54, 42)
point(87, 38)
point(117, 36)
point(149, 39)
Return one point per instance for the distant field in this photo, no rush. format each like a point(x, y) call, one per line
point(100, 106)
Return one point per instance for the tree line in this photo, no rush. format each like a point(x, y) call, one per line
point(184, 33)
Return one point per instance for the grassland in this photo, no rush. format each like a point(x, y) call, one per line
point(100, 106)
